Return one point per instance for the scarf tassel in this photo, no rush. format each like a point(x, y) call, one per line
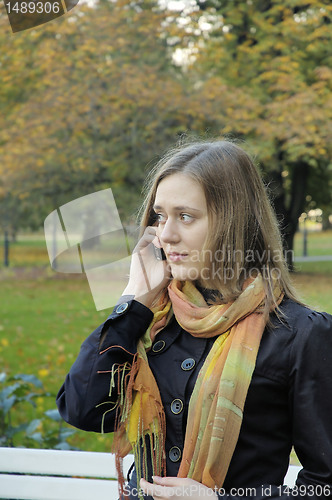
point(140, 425)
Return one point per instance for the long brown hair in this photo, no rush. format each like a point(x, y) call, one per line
point(243, 236)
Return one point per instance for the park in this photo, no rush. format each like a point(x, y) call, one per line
point(90, 101)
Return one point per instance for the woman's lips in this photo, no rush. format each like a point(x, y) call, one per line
point(176, 257)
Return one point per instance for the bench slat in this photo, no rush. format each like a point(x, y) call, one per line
point(45, 464)
point(63, 463)
point(56, 488)
point(291, 475)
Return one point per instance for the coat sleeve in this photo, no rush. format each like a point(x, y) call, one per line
point(85, 395)
point(311, 401)
point(310, 404)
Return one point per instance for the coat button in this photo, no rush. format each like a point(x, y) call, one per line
point(158, 346)
point(188, 364)
point(174, 454)
point(122, 308)
point(176, 406)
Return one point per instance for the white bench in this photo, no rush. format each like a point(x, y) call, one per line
point(29, 474)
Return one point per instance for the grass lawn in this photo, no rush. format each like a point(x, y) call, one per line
point(45, 316)
point(318, 243)
point(314, 279)
point(43, 322)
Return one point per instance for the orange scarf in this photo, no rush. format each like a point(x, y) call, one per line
point(216, 404)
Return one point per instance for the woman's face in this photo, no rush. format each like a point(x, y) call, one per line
point(182, 215)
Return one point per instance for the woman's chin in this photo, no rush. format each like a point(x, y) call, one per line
point(182, 273)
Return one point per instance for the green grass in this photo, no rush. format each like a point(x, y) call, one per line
point(318, 243)
point(26, 252)
point(43, 323)
point(315, 290)
point(45, 316)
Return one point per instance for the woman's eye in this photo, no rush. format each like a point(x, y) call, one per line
point(160, 218)
point(186, 217)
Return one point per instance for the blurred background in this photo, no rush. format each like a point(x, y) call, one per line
point(91, 100)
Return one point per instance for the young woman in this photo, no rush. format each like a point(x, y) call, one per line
point(209, 368)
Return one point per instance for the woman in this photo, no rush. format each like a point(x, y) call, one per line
point(209, 368)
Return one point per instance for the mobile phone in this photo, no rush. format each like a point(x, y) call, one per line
point(159, 253)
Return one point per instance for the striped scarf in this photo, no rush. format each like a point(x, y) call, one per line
point(216, 405)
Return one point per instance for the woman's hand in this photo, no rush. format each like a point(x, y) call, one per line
point(148, 275)
point(167, 488)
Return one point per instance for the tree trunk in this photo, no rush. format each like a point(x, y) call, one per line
point(326, 221)
point(288, 213)
point(6, 249)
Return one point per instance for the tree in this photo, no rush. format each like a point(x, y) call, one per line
point(88, 100)
point(93, 97)
point(267, 67)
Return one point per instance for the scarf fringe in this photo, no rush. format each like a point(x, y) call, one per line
point(155, 435)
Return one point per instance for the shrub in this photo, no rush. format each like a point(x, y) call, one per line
point(48, 431)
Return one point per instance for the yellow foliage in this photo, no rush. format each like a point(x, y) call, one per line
point(93, 101)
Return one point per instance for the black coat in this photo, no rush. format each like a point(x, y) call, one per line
point(289, 402)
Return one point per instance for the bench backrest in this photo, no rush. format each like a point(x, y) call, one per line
point(29, 474)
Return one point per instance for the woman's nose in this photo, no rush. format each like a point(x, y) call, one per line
point(169, 233)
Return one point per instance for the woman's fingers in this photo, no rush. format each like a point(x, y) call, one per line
point(168, 488)
point(148, 237)
point(149, 273)
point(158, 491)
